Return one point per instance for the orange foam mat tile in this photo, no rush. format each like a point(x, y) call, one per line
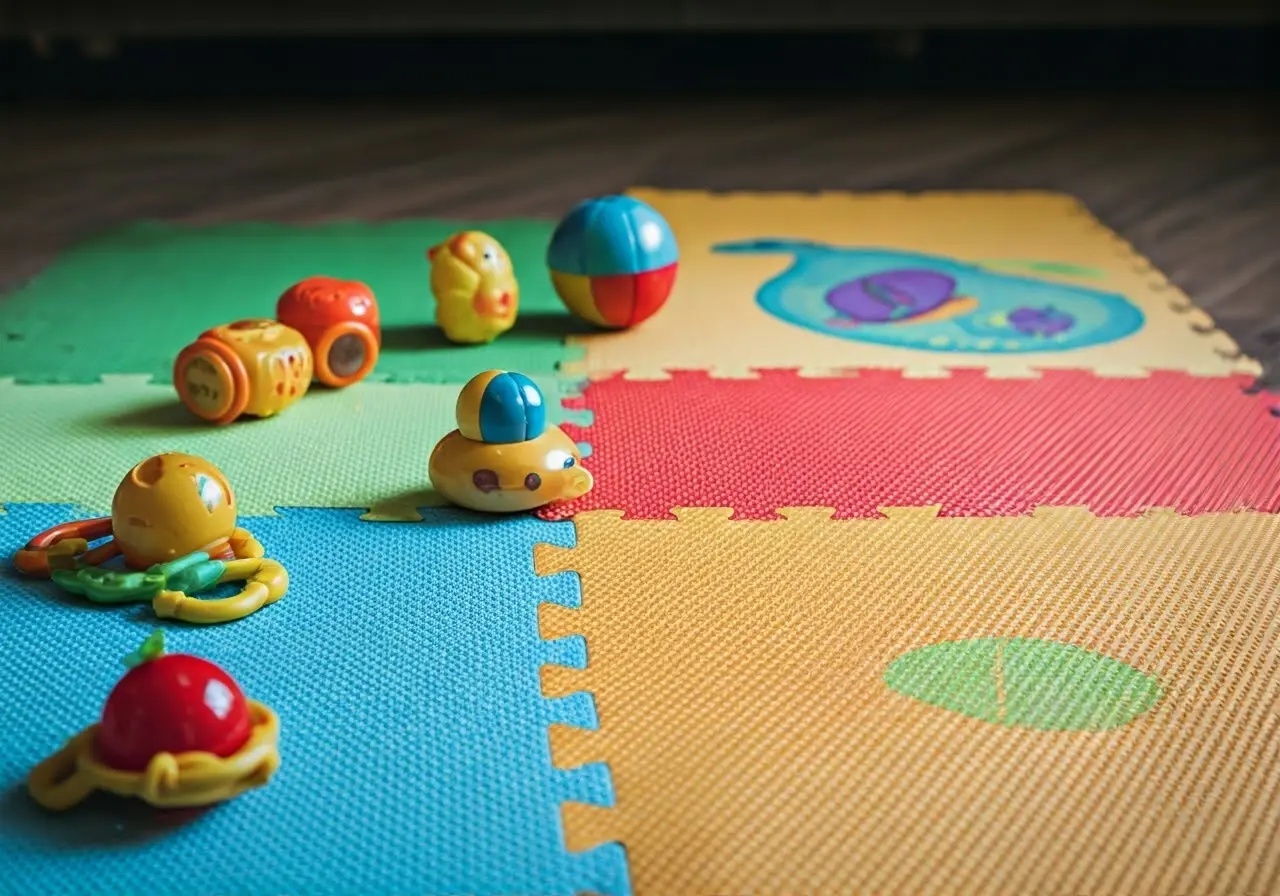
point(1012, 282)
point(976, 446)
point(1057, 703)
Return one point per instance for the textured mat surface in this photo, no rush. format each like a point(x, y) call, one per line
point(128, 301)
point(364, 447)
point(979, 695)
point(1046, 704)
point(974, 445)
point(403, 664)
point(1011, 282)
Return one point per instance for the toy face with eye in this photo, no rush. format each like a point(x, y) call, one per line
point(493, 259)
point(505, 478)
point(478, 251)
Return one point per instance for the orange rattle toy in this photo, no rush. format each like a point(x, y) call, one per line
point(173, 521)
point(339, 320)
point(257, 367)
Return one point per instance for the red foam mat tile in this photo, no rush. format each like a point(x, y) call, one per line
point(974, 445)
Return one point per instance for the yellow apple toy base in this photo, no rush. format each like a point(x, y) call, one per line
point(170, 781)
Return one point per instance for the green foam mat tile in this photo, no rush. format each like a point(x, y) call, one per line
point(364, 447)
point(126, 302)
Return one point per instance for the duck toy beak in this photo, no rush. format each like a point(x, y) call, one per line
point(581, 483)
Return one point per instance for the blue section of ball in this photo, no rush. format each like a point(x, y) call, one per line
point(612, 235)
point(512, 409)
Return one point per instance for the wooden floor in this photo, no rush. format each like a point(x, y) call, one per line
point(1194, 184)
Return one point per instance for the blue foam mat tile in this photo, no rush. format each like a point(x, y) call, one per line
point(404, 666)
point(577, 709)
point(569, 651)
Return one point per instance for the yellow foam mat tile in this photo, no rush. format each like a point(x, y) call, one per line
point(1019, 257)
point(1055, 703)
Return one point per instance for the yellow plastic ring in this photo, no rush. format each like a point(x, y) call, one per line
point(266, 581)
point(170, 780)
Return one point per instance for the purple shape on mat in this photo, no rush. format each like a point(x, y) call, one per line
point(1041, 321)
point(891, 295)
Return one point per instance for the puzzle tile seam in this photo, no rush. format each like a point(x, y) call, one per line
point(890, 514)
point(374, 508)
point(1195, 317)
point(558, 624)
point(911, 371)
point(564, 373)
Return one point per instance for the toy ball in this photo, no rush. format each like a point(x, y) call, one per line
point(613, 261)
point(339, 320)
point(499, 407)
point(169, 506)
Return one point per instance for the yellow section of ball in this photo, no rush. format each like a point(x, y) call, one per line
point(575, 291)
point(467, 410)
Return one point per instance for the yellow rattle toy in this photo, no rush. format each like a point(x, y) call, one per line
point(504, 456)
point(257, 367)
point(176, 731)
point(173, 520)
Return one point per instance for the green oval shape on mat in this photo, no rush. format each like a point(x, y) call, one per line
point(1025, 683)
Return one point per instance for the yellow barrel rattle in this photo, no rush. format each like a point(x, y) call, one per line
point(257, 367)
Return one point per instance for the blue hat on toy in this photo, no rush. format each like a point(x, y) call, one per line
point(500, 407)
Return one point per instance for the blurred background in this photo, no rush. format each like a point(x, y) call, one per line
point(1158, 115)
point(150, 48)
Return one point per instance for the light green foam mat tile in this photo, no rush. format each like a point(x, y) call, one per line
point(129, 300)
point(365, 447)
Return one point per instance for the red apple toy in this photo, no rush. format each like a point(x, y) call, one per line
point(176, 731)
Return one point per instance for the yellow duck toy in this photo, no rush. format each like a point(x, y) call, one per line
point(504, 457)
point(474, 284)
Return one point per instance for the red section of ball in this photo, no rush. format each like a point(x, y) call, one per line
point(625, 300)
point(173, 704)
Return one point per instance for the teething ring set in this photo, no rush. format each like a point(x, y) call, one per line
point(170, 587)
point(173, 523)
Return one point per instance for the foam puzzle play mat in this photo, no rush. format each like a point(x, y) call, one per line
point(699, 544)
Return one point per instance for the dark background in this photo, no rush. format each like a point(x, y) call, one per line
point(138, 49)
